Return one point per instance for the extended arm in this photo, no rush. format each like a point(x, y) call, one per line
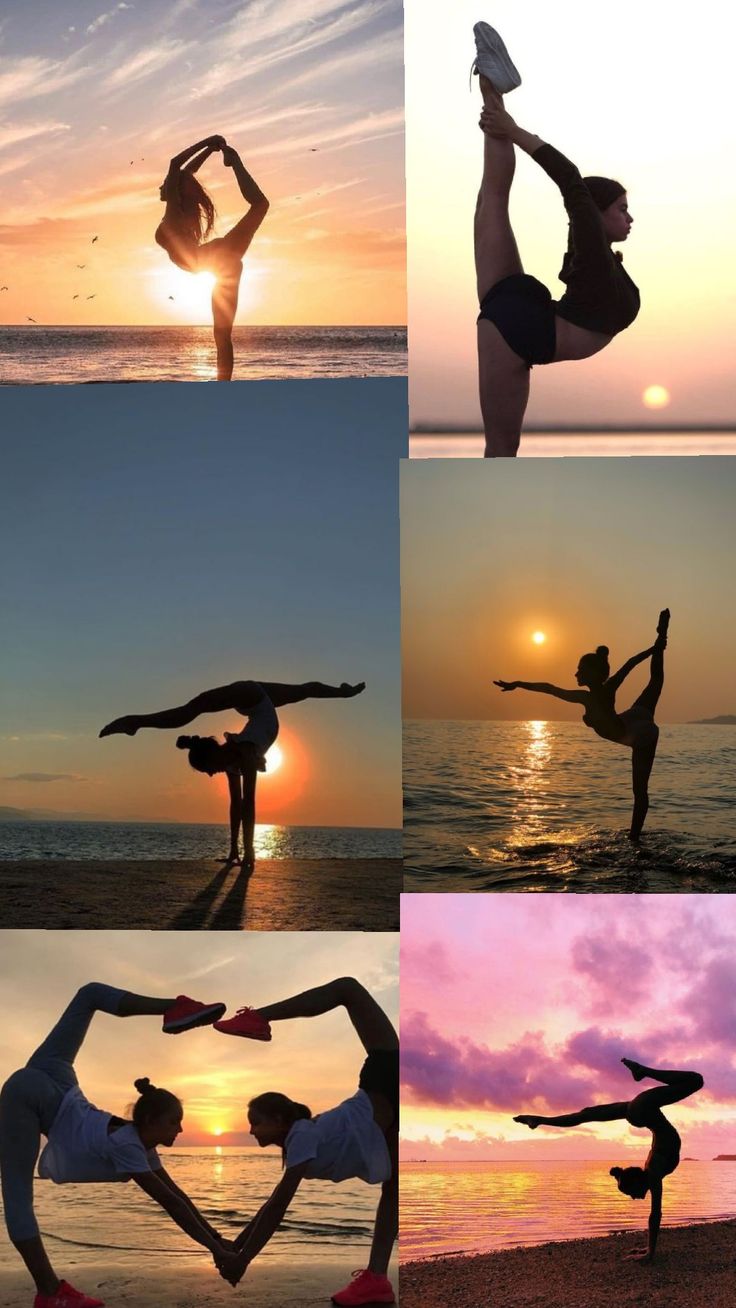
point(209, 143)
point(195, 164)
point(655, 1221)
point(176, 1190)
point(545, 688)
point(616, 679)
point(259, 1230)
point(180, 1210)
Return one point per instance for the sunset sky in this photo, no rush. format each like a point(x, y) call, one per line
point(616, 90)
point(585, 552)
point(160, 540)
point(526, 1003)
point(95, 98)
point(316, 1062)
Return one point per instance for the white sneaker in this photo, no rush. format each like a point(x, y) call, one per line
point(492, 60)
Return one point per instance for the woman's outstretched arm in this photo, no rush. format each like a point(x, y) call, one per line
point(169, 1181)
point(655, 1221)
point(180, 1210)
point(195, 164)
point(259, 1230)
point(616, 679)
point(545, 688)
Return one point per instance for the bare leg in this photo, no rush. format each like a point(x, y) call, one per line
point(598, 1113)
point(371, 1023)
point(224, 307)
point(642, 762)
point(280, 692)
point(386, 1227)
point(503, 376)
point(675, 1086)
point(248, 813)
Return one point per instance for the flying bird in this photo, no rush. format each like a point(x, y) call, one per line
point(31, 319)
point(3, 288)
point(81, 265)
point(75, 297)
point(171, 297)
point(95, 238)
point(90, 297)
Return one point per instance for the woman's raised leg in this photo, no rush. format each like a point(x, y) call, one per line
point(597, 1113)
point(280, 692)
point(373, 1027)
point(676, 1085)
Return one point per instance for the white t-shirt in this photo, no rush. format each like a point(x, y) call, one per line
point(81, 1149)
point(342, 1143)
point(263, 724)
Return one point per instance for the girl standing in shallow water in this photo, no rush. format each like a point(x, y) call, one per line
point(187, 223)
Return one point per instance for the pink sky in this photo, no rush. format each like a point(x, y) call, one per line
point(516, 1004)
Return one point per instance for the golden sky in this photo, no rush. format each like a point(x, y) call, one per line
point(584, 551)
point(315, 1062)
point(308, 91)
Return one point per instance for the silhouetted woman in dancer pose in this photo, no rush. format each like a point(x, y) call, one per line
point(242, 756)
point(520, 324)
point(643, 1111)
point(357, 1139)
point(635, 727)
point(187, 223)
point(86, 1144)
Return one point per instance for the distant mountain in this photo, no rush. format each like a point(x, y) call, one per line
point(45, 815)
point(725, 1158)
point(724, 720)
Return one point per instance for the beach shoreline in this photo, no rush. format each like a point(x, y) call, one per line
point(330, 894)
point(695, 1265)
point(267, 1284)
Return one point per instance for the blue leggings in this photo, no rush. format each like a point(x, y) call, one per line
point(30, 1099)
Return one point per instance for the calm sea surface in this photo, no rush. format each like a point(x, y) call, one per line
point(133, 840)
point(592, 444)
point(228, 1185)
point(478, 1207)
point(93, 354)
point(546, 806)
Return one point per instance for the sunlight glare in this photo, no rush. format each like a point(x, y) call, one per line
point(274, 759)
point(656, 397)
point(539, 637)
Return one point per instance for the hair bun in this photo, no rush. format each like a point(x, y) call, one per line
point(602, 651)
point(185, 742)
point(615, 1171)
point(143, 1085)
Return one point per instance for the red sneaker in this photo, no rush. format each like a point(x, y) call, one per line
point(188, 1013)
point(67, 1297)
point(366, 1287)
point(247, 1022)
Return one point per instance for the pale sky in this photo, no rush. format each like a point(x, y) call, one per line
point(316, 1062)
point(584, 551)
point(95, 98)
point(527, 1003)
point(638, 92)
point(161, 540)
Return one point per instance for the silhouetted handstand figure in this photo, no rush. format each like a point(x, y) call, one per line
point(188, 221)
point(635, 727)
point(520, 324)
point(643, 1111)
point(242, 755)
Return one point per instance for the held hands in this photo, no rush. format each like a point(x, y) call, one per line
point(495, 121)
point(507, 685)
point(217, 142)
point(230, 1264)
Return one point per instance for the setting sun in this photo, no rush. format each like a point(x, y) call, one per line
point(656, 397)
point(274, 759)
point(539, 637)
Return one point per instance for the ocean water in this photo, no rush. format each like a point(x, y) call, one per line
point(470, 1207)
point(180, 840)
point(228, 1185)
point(525, 806)
point(588, 444)
point(119, 354)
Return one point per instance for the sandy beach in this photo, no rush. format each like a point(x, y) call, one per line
point(267, 1285)
point(695, 1265)
point(190, 895)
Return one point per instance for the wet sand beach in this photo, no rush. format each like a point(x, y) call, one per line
point(267, 1284)
point(695, 1267)
point(328, 894)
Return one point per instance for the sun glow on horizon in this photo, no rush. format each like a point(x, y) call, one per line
point(539, 638)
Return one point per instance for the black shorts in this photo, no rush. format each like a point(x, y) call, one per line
point(380, 1074)
point(523, 310)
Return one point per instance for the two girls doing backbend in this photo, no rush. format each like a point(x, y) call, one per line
point(243, 754)
point(187, 223)
point(643, 1111)
point(635, 727)
point(86, 1144)
point(357, 1139)
point(520, 324)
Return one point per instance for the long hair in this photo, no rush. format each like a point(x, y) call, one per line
point(194, 214)
point(274, 1104)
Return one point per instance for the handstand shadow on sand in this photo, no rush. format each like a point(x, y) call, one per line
point(242, 756)
point(635, 727)
point(520, 325)
point(187, 223)
point(643, 1111)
